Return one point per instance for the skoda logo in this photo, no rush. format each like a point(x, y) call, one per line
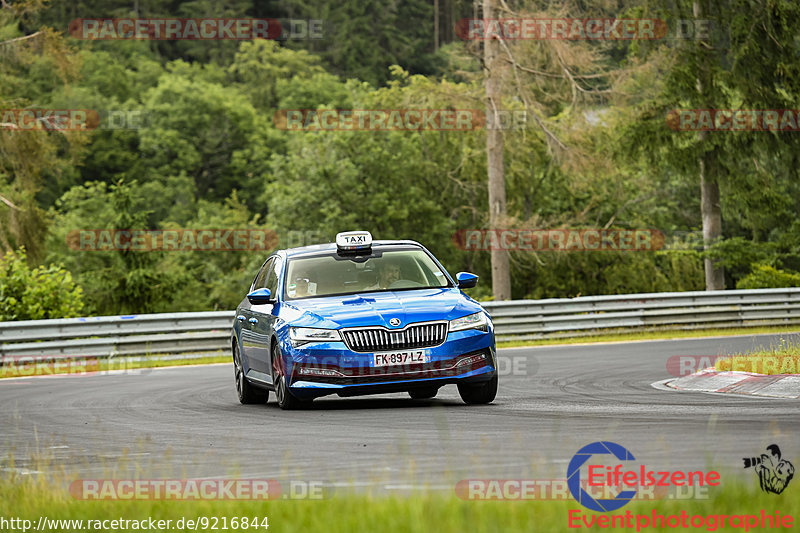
point(394, 322)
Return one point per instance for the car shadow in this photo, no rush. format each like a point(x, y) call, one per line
point(355, 403)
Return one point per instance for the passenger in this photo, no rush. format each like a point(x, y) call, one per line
point(303, 286)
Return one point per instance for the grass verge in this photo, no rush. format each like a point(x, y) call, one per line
point(28, 498)
point(650, 335)
point(35, 366)
point(781, 359)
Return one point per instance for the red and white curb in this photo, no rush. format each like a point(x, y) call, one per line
point(745, 383)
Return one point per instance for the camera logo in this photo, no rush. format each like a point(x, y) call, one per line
point(774, 473)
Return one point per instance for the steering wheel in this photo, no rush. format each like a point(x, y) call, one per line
point(405, 284)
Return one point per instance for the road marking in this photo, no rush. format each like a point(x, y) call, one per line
point(21, 471)
point(662, 385)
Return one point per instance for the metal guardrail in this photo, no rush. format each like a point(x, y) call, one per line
point(108, 336)
point(592, 315)
point(173, 333)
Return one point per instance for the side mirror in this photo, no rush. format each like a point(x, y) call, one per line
point(260, 297)
point(466, 280)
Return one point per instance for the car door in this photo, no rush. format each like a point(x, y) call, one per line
point(248, 320)
point(262, 322)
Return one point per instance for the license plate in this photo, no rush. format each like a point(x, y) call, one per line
point(408, 357)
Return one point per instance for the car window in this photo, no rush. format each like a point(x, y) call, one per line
point(327, 275)
point(261, 278)
point(272, 277)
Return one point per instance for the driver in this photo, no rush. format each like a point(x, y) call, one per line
point(389, 273)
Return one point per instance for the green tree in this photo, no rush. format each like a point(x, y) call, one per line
point(120, 281)
point(208, 132)
point(748, 180)
point(33, 64)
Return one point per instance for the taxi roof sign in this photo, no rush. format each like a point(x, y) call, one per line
point(353, 241)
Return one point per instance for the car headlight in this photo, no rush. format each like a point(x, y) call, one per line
point(300, 336)
point(474, 321)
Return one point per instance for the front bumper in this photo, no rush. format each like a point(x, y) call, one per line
point(320, 369)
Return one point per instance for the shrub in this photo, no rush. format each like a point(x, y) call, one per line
point(41, 292)
point(767, 277)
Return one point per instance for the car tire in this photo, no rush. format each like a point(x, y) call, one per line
point(286, 400)
point(481, 393)
point(248, 394)
point(423, 393)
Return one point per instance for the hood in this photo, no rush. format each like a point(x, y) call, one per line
point(377, 308)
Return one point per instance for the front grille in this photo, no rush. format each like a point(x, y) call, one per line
point(379, 339)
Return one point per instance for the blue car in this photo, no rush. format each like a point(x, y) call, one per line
point(359, 317)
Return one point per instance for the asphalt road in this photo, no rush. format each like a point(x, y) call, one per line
point(187, 422)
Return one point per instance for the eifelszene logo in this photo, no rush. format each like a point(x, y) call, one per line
point(615, 478)
point(574, 476)
point(774, 473)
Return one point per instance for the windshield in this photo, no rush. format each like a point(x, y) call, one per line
point(331, 274)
